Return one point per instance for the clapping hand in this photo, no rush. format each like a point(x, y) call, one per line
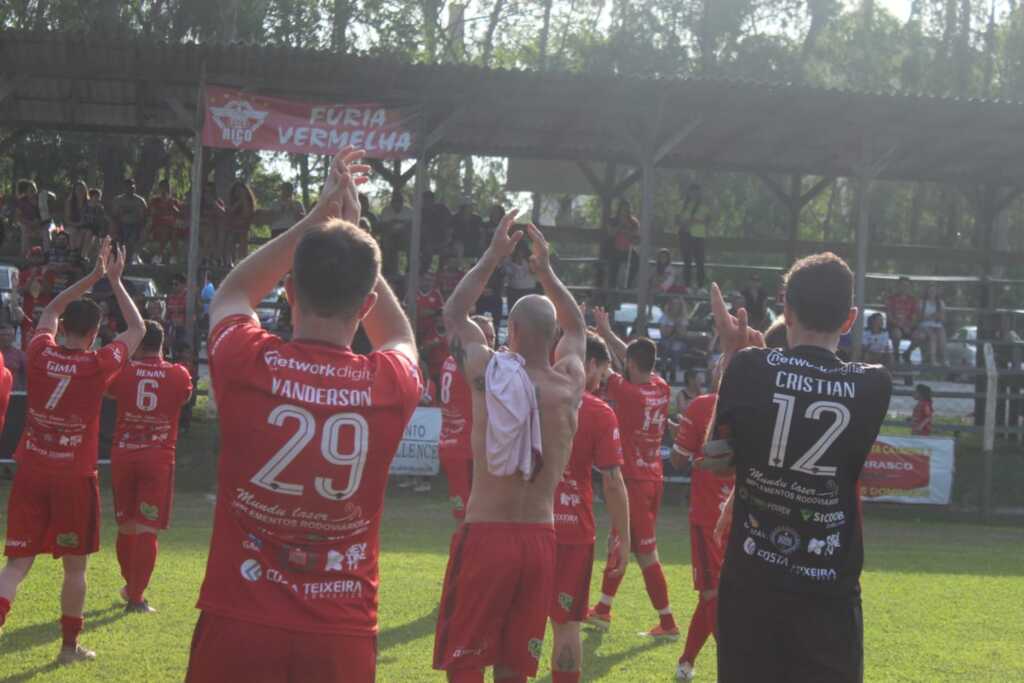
point(340, 196)
point(504, 242)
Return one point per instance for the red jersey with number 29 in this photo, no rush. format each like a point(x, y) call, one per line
point(596, 444)
point(642, 410)
point(65, 394)
point(456, 413)
point(308, 431)
point(149, 395)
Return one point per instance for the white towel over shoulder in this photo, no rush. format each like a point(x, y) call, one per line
point(513, 418)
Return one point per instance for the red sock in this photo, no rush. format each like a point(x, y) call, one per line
point(125, 542)
point(5, 608)
point(143, 561)
point(512, 677)
point(565, 677)
point(699, 631)
point(466, 676)
point(609, 587)
point(711, 616)
point(657, 590)
point(70, 627)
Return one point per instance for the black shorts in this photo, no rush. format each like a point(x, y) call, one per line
point(904, 334)
point(774, 637)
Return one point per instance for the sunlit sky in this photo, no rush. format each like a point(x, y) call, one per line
point(899, 8)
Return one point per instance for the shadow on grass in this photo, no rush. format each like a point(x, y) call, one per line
point(413, 630)
point(49, 632)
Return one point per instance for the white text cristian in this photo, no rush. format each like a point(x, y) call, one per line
point(814, 385)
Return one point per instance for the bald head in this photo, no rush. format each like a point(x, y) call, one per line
point(532, 324)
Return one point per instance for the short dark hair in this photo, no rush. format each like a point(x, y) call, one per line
point(597, 350)
point(25, 186)
point(153, 340)
point(643, 352)
point(819, 290)
point(775, 336)
point(95, 192)
point(925, 391)
point(81, 317)
point(335, 268)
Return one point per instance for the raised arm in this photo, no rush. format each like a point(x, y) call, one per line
point(573, 344)
point(387, 326)
point(465, 339)
point(136, 330)
point(55, 309)
point(259, 273)
point(604, 329)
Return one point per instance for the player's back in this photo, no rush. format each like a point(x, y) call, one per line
point(801, 423)
point(642, 411)
point(149, 394)
point(308, 432)
point(511, 499)
point(65, 395)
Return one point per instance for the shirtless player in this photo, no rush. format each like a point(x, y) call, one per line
point(500, 578)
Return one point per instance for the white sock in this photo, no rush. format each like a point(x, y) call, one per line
point(667, 610)
point(606, 600)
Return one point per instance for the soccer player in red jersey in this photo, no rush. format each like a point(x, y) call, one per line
point(501, 571)
point(149, 393)
point(54, 506)
point(708, 495)
point(641, 400)
point(596, 445)
point(454, 448)
point(308, 430)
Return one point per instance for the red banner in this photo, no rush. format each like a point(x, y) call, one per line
point(911, 469)
point(241, 120)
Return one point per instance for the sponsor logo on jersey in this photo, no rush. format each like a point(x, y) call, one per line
point(535, 646)
point(826, 547)
point(68, 540)
point(251, 570)
point(775, 358)
point(341, 588)
point(565, 601)
point(829, 519)
point(253, 543)
point(785, 539)
point(150, 512)
point(749, 546)
point(457, 503)
point(274, 359)
point(569, 500)
point(814, 573)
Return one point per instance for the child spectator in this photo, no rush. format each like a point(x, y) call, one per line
point(876, 344)
point(921, 421)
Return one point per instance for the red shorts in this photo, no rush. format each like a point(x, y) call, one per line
point(56, 514)
point(458, 470)
point(496, 599)
point(706, 556)
point(225, 649)
point(143, 491)
point(573, 567)
point(644, 503)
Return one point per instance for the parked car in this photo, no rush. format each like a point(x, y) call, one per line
point(269, 309)
point(142, 287)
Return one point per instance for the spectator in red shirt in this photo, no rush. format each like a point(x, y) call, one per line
point(448, 275)
point(921, 420)
point(902, 309)
point(164, 214)
point(176, 306)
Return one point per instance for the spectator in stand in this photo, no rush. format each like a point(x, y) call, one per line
point(490, 302)
point(74, 213)
point(176, 310)
point(164, 217)
point(932, 328)
point(466, 227)
point(205, 297)
point(436, 225)
point(14, 358)
point(366, 214)
point(519, 278)
point(26, 215)
point(128, 213)
point(429, 303)
point(211, 223)
point(286, 211)
point(448, 275)
point(755, 300)
point(62, 264)
point(694, 223)
point(903, 311)
point(95, 224)
point(921, 420)
point(876, 344)
point(240, 211)
point(693, 387)
point(674, 324)
point(625, 231)
point(36, 289)
point(393, 228)
point(664, 279)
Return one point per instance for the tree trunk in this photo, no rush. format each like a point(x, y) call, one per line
point(343, 11)
point(916, 207)
point(544, 33)
point(492, 26)
point(304, 178)
point(110, 157)
point(152, 155)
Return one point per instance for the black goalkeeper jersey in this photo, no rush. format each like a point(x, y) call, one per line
point(801, 423)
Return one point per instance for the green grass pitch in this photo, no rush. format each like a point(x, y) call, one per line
point(942, 602)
